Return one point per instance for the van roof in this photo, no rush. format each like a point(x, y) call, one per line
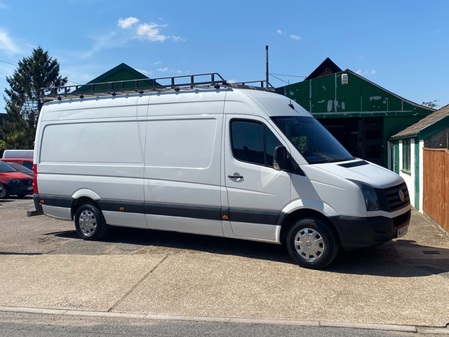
point(259, 92)
point(273, 104)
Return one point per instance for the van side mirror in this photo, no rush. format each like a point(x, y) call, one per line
point(280, 158)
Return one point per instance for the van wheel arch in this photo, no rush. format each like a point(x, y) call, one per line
point(294, 217)
point(77, 203)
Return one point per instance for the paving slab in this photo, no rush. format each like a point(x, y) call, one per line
point(229, 286)
point(81, 282)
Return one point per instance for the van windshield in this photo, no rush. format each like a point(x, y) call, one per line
point(312, 140)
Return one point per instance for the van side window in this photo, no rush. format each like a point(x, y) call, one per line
point(253, 142)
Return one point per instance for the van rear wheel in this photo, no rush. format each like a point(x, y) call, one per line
point(311, 243)
point(90, 223)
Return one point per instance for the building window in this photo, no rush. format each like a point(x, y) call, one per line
point(406, 155)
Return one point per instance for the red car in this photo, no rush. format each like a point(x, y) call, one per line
point(14, 182)
point(27, 162)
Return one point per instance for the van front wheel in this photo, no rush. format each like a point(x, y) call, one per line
point(90, 223)
point(311, 244)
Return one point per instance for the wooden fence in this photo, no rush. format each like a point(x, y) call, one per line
point(436, 185)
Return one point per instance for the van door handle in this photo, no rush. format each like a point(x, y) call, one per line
point(236, 175)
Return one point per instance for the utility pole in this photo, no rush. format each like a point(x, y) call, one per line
point(266, 66)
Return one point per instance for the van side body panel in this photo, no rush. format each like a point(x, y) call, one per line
point(93, 149)
point(182, 166)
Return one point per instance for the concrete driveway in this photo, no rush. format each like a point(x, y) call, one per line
point(45, 266)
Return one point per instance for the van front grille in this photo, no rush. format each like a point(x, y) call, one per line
point(393, 198)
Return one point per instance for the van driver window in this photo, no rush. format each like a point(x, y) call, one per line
point(253, 142)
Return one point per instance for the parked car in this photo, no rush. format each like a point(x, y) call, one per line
point(14, 182)
point(22, 169)
point(27, 162)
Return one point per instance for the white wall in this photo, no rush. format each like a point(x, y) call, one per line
point(409, 177)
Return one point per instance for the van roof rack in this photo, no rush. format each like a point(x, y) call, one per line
point(176, 83)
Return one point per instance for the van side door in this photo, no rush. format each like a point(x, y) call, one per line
point(183, 166)
point(256, 192)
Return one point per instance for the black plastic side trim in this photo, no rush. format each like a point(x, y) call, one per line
point(256, 216)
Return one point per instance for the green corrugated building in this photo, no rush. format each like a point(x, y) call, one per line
point(359, 113)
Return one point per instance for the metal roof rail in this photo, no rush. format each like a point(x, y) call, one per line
point(177, 83)
point(259, 85)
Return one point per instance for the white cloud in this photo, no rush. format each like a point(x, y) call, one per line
point(366, 72)
point(146, 31)
point(130, 28)
point(177, 38)
point(291, 36)
point(7, 44)
point(151, 32)
point(128, 22)
point(103, 42)
point(145, 72)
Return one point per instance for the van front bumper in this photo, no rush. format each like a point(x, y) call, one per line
point(365, 232)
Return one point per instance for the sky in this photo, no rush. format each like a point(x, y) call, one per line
point(401, 45)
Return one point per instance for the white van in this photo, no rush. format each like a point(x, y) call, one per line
point(216, 159)
point(7, 154)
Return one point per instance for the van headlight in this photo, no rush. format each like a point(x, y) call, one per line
point(369, 195)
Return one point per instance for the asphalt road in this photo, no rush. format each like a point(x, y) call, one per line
point(23, 324)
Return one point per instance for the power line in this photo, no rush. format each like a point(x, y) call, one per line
point(285, 75)
point(7, 62)
point(279, 79)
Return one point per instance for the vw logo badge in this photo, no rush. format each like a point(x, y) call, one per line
point(401, 195)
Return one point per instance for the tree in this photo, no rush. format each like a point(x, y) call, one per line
point(22, 102)
point(431, 104)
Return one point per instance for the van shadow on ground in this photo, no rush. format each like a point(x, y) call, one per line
point(399, 258)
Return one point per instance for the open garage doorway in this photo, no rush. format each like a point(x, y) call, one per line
point(361, 136)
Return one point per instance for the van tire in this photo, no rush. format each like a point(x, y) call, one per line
point(90, 223)
point(311, 243)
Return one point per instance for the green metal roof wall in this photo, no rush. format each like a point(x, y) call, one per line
point(327, 97)
point(122, 72)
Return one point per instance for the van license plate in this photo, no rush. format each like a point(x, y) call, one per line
point(29, 188)
point(402, 231)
